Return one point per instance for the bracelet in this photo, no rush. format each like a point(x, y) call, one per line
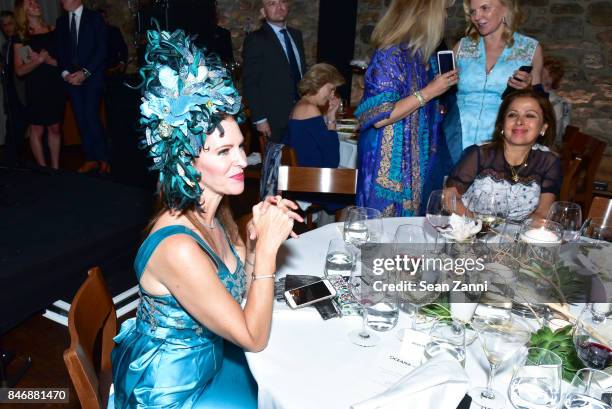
point(254, 277)
point(420, 98)
point(330, 121)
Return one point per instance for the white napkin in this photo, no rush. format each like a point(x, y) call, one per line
point(461, 228)
point(440, 382)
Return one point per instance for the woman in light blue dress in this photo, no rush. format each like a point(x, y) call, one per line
point(488, 59)
point(185, 347)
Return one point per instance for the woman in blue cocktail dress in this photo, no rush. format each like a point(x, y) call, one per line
point(185, 347)
point(489, 58)
point(399, 116)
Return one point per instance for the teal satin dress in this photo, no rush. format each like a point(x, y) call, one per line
point(164, 358)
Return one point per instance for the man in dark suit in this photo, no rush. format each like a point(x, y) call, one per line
point(273, 65)
point(82, 48)
point(13, 92)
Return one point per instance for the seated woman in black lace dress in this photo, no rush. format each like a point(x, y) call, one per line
point(517, 162)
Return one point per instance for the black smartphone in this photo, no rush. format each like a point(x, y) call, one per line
point(509, 89)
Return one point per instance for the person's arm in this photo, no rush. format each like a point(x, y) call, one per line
point(22, 68)
point(190, 275)
point(551, 184)
point(411, 103)
point(461, 178)
point(97, 59)
point(522, 79)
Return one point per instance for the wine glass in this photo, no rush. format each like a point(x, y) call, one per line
point(590, 389)
point(410, 242)
point(440, 206)
point(593, 349)
point(362, 225)
point(361, 285)
point(536, 382)
point(501, 337)
point(490, 207)
point(599, 228)
point(569, 216)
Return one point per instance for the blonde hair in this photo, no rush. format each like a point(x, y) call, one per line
point(418, 23)
point(317, 76)
point(21, 20)
point(513, 19)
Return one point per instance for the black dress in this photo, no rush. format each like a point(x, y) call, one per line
point(484, 169)
point(45, 91)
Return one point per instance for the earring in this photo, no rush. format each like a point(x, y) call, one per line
point(502, 132)
point(542, 133)
point(504, 20)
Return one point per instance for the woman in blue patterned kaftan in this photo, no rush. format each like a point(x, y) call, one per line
point(399, 113)
point(489, 58)
point(185, 347)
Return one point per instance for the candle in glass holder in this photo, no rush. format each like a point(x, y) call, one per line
point(540, 236)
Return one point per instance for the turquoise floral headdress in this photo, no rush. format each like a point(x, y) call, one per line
point(186, 93)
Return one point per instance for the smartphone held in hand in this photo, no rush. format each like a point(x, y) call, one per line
point(310, 294)
point(509, 89)
point(446, 61)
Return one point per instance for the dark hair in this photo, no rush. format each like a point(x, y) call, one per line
point(555, 70)
point(548, 139)
point(6, 13)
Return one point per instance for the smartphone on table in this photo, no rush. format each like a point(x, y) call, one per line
point(509, 89)
point(309, 294)
point(446, 61)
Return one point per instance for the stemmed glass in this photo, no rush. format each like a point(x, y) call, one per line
point(593, 350)
point(362, 225)
point(501, 338)
point(409, 241)
point(440, 206)
point(490, 207)
point(536, 382)
point(599, 228)
point(569, 216)
point(361, 286)
point(590, 389)
point(446, 337)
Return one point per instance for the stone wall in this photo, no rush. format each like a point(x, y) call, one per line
point(578, 32)
point(238, 16)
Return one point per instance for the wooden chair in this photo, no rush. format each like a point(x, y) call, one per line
point(601, 207)
point(288, 156)
point(590, 150)
point(317, 180)
point(92, 315)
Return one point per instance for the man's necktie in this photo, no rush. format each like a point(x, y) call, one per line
point(74, 39)
point(295, 69)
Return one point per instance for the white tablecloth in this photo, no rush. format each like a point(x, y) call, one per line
point(348, 154)
point(310, 363)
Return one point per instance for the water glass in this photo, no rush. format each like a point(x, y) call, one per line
point(447, 337)
point(362, 225)
point(383, 315)
point(590, 389)
point(339, 260)
point(569, 216)
point(536, 382)
point(361, 286)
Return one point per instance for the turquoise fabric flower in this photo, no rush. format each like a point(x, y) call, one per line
point(186, 93)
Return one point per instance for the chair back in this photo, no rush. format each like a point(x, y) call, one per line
point(601, 207)
point(590, 150)
point(91, 317)
point(317, 180)
point(288, 156)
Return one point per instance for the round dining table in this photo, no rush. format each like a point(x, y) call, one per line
point(311, 363)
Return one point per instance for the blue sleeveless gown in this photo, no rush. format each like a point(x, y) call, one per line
point(479, 94)
point(164, 358)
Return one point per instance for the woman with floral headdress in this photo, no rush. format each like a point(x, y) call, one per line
point(184, 348)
